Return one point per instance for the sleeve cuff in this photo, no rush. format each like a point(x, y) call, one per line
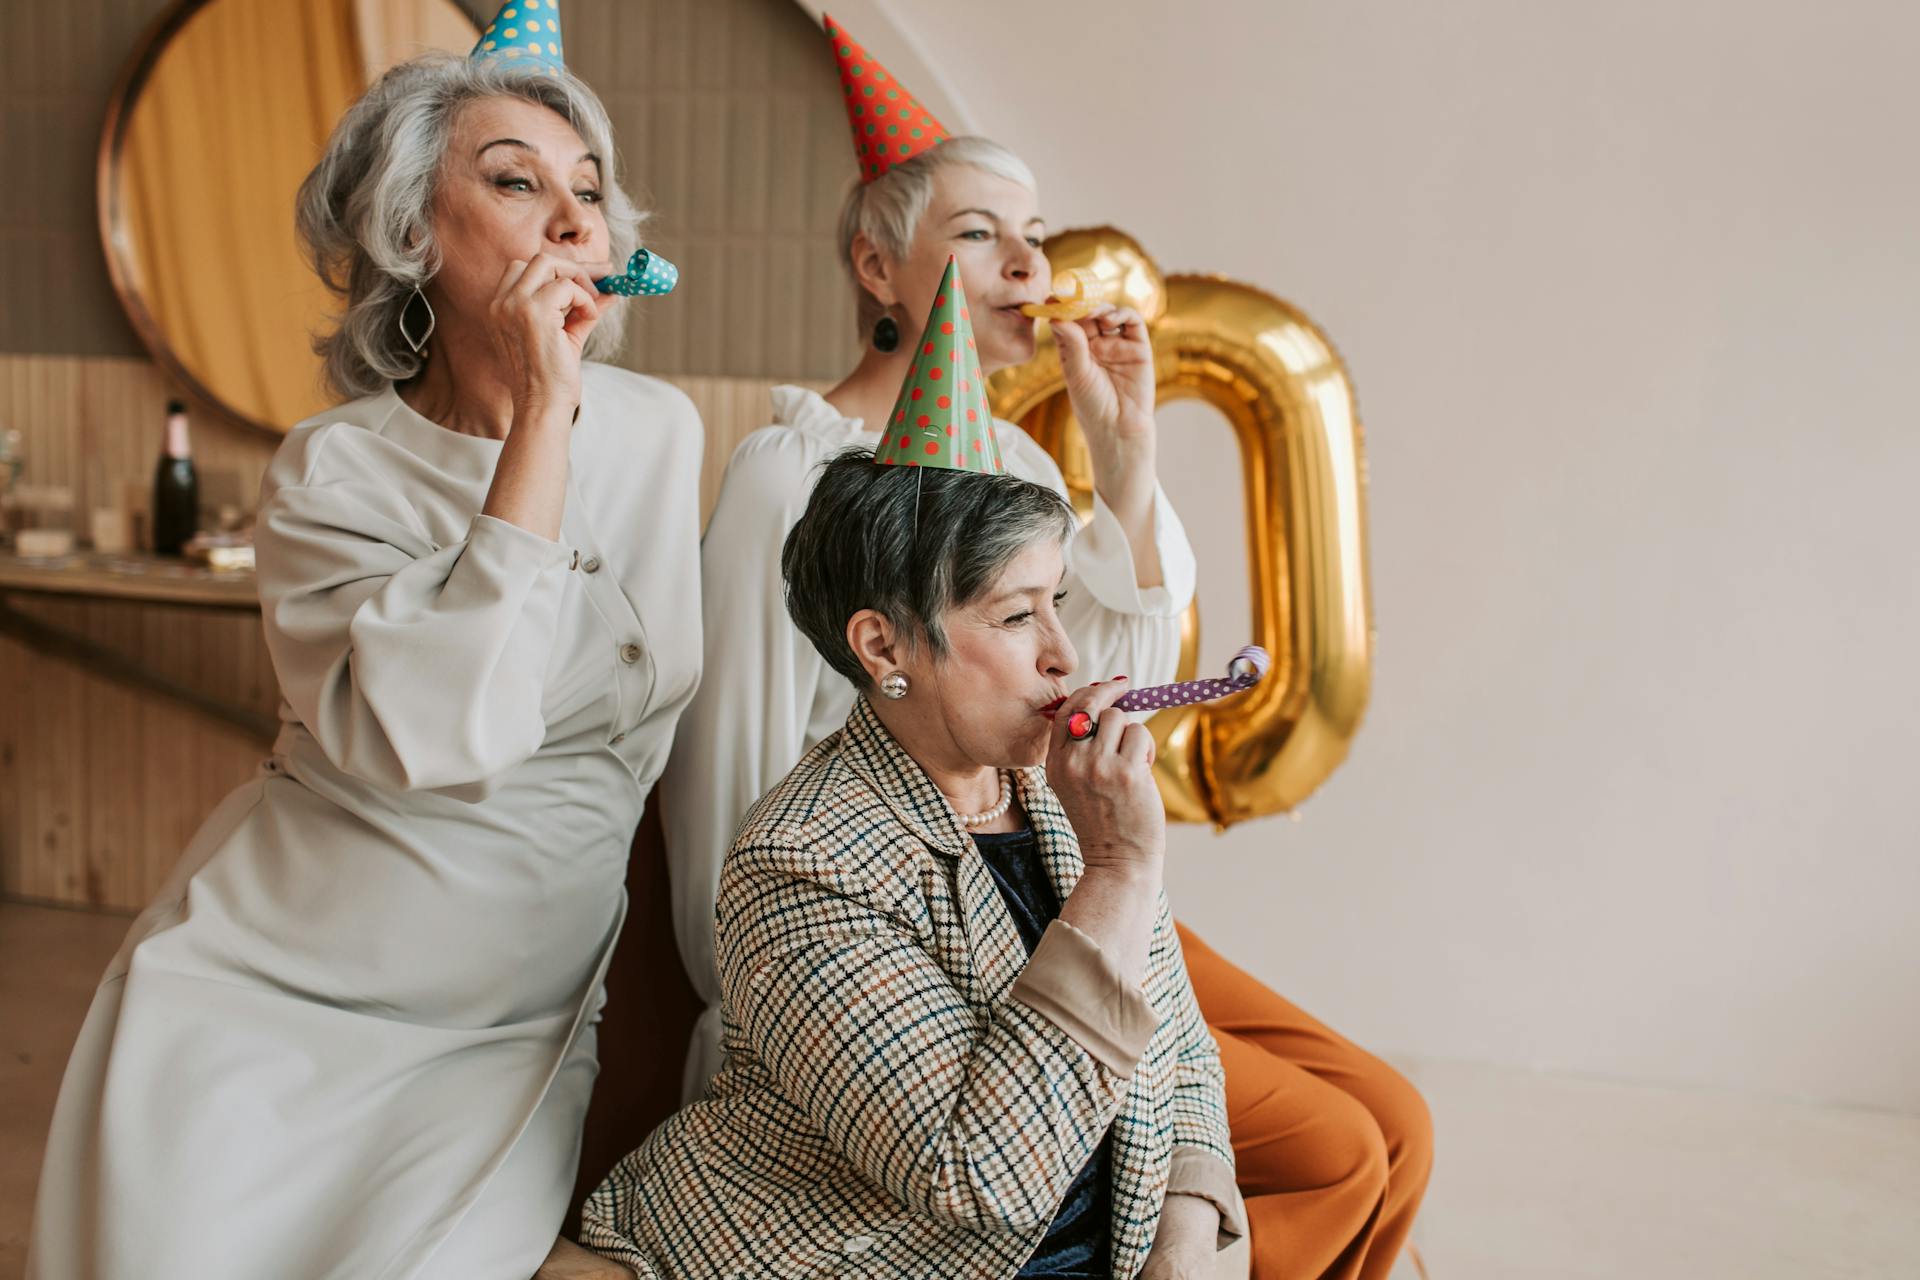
point(1103, 559)
point(513, 547)
point(1071, 981)
point(1196, 1171)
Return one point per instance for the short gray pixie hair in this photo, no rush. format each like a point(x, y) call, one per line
point(365, 214)
point(889, 208)
point(909, 543)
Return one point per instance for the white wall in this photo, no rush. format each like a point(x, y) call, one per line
point(1629, 292)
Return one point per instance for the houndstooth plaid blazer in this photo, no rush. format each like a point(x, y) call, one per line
point(906, 1093)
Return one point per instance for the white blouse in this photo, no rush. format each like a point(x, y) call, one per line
point(352, 1036)
point(767, 695)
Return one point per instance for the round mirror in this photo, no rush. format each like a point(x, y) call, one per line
point(224, 109)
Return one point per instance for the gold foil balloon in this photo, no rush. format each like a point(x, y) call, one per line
point(1285, 392)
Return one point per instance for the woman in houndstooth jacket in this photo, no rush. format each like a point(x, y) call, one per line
point(959, 1035)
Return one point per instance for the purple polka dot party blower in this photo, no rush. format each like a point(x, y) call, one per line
point(1245, 671)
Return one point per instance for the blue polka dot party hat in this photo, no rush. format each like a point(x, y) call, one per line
point(526, 32)
point(942, 418)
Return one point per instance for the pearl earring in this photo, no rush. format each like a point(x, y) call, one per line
point(895, 684)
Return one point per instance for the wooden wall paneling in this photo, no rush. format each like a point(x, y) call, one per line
point(15, 747)
point(16, 763)
point(166, 790)
point(730, 409)
point(214, 661)
point(39, 398)
point(27, 857)
point(114, 743)
point(56, 794)
point(102, 784)
point(724, 110)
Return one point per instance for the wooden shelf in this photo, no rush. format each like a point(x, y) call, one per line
point(154, 579)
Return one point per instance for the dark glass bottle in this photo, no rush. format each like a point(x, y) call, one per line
point(176, 489)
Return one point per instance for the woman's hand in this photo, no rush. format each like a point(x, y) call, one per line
point(540, 318)
point(568, 1261)
point(1108, 363)
point(1105, 783)
point(539, 321)
point(1185, 1246)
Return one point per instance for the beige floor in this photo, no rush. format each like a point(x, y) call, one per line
point(1539, 1177)
point(1544, 1177)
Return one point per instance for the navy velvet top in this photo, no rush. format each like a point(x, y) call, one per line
point(1076, 1244)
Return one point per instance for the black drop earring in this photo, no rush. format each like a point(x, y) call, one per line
point(886, 334)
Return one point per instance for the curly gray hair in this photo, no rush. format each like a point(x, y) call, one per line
point(364, 215)
point(888, 209)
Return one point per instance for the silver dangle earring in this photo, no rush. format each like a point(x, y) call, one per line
point(418, 344)
point(895, 684)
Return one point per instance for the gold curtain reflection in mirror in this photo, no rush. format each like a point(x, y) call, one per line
point(216, 138)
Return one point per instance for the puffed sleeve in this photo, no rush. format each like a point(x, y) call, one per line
point(414, 666)
point(1118, 627)
point(747, 724)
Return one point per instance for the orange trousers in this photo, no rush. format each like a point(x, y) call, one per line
point(1332, 1145)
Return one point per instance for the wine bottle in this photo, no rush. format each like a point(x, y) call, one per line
point(176, 488)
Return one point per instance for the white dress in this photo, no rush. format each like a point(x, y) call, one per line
point(352, 1036)
point(768, 696)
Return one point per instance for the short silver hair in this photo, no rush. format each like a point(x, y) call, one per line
point(365, 214)
point(888, 209)
point(910, 543)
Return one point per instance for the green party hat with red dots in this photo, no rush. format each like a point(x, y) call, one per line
point(942, 418)
point(525, 33)
point(890, 126)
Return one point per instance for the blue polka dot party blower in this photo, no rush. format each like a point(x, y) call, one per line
point(648, 275)
point(526, 33)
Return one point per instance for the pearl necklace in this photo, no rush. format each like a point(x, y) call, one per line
point(971, 820)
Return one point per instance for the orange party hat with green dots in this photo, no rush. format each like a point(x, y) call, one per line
point(942, 418)
point(890, 126)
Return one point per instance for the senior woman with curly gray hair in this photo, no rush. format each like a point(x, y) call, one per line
point(353, 1035)
point(959, 1037)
